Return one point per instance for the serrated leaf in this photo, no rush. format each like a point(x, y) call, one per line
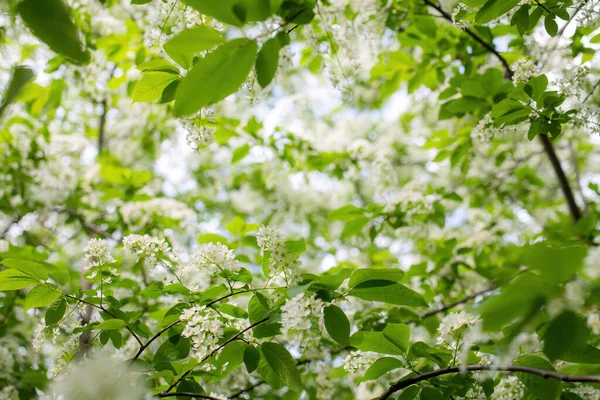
point(190, 42)
point(215, 76)
point(565, 332)
point(281, 361)
point(388, 292)
point(251, 358)
point(374, 341)
point(11, 279)
point(41, 296)
point(31, 268)
point(152, 85)
point(55, 311)
point(111, 324)
point(366, 274)
point(399, 334)
point(381, 367)
point(586, 354)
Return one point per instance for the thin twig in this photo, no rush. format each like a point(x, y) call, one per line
point(152, 339)
point(548, 147)
point(188, 394)
point(209, 355)
point(586, 210)
point(457, 303)
point(477, 367)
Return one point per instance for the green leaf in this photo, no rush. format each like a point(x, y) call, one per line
point(399, 334)
point(543, 388)
point(41, 296)
point(366, 274)
point(30, 268)
point(295, 247)
point(409, 393)
point(158, 65)
point(473, 88)
point(152, 85)
point(428, 393)
point(536, 86)
point(55, 311)
point(493, 9)
point(380, 367)
point(523, 295)
point(236, 12)
point(111, 324)
point(521, 19)
point(346, 213)
point(354, 227)
point(51, 22)
point(175, 348)
point(215, 76)
point(281, 361)
point(550, 25)
point(251, 358)
point(374, 341)
point(268, 59)
point(558, 263)
point(153, 290)
point(190, 42)
point(595, 39)
point(388, 292)
point(565, 332)
point(12, 279)
point(337, 324)
point(240, 152)
point(586, 354)
point(20, 76)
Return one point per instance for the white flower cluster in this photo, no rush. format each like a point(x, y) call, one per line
point(587, 117)
point(523, 70)
point(509, 388)
point(215, 257)
point(198, 134)
point(593, 321)
point(203, 328)
point(281, 261)
point(475, 393)
point(141, 212)
point(586, 392)
point(410, 202)
point(449, 331)
point(54, 182)
point(301, 321)
point(9, 392)
point(357, 362)
point(39, 336)
point(485, 129)
point(146, 246)
point(573, 83)
point(457, 15)
point(588, 12)
point(7, 361)
point(97, 253)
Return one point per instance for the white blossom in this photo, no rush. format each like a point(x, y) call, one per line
point(509, 388)
point(97, 253)
point(586, 392)
point(357, 362)
point(449, 331)
point(215, 257)
point(301, 319)
point(145, 246)
point(204, 328)
point(523, 70)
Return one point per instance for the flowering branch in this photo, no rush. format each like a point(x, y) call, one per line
point(188, 394)
point(209, 355)
point(477, 367)
point(101, 308)
point(548, 148)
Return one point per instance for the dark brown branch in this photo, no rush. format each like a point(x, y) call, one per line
point(188, 394)
point(102, 124)
point(548, 148)
point(152, 339)
point(453, 370)
point(209, 355)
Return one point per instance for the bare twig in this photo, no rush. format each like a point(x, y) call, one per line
point(453, 370)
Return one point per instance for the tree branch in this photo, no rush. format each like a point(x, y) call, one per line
point(209, 355)
point(548, 148)
point(457, 303)
point(477, 367)
point(188, 394)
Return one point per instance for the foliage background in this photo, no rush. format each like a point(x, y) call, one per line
point(299, 199)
